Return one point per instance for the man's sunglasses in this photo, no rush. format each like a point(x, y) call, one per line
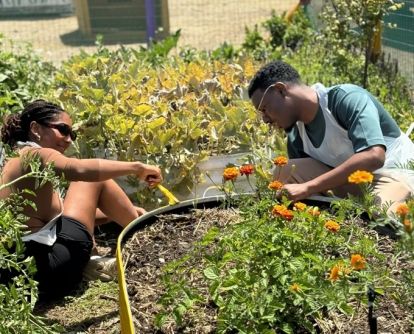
point(64, 129)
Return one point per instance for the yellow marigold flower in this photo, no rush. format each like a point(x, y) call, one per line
point(402, 209)
point(335, 271)
point(408, 226)
point(280, 161)
point(247, 169)
point(357, 261)
point(332, 226)
point(295, 287)
point(275, 185)
point(230, 173)
point(360, 176)
point(300, 206)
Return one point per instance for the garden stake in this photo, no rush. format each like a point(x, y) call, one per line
point(372, 320)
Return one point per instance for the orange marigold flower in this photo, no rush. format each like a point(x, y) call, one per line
point(295, 287)
point(408, 226)
point(230, 173)
point(357, 261)
point(280, 161)
point(360, 176)
point(287, 214)
point(247, 169)
point(402, 209)
point(332, 226)
point(300, 206)
point(335, 271)
point(275, 185)
point(282, 211)
point(278, 208)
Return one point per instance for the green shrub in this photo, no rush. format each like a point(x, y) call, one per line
point(23, 77)
point(19, 295)
point(174, 115)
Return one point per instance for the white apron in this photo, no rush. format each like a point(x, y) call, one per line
point(336, 146)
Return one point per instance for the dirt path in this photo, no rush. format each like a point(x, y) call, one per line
point(204, 24)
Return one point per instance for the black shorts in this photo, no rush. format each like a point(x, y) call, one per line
point(60, 266)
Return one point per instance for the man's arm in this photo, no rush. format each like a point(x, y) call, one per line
point(368, 160)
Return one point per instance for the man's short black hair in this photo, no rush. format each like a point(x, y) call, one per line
point(272, 73)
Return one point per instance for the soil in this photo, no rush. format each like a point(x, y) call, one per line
point(150, 249)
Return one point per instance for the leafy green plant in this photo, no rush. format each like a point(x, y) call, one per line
point(19, 296)
point(174, 115)
point(280, 269)
point(23, 77)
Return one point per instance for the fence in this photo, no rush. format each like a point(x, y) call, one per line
point(204, 25)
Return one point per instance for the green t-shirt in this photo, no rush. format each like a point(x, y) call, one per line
point(357, 111)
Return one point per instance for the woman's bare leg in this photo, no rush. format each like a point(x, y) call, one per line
point(83, 198)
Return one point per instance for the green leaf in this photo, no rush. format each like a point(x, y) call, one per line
point(211, 273)
point(156, 123)
point(142, 110)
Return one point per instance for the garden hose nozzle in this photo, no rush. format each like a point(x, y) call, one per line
point(171, 198)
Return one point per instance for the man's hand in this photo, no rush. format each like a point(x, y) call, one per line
point(150, 174)
point(296, 191)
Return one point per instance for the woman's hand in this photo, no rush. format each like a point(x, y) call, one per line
point(150, 174)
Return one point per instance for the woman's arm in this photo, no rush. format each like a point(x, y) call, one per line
point(91, 170)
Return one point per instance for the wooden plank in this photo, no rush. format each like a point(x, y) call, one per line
point(82, 13)
point(165, 18)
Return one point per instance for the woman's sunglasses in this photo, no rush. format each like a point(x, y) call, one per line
point(64, 129)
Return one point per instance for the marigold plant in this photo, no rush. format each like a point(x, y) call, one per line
point(247, 169)
point(335, 271)
point(282, 211)
point(402, 209)
point(280, 161)
point(357, 261)
point(275, 185)
point(295, 287)
point(300, 206)
point(230, 174)
point(360, 176)
point(408, 226)
point(332, 226)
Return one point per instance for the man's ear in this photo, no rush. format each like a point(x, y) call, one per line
point(281, 87)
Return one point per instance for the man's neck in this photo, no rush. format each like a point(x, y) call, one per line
point(309, 104)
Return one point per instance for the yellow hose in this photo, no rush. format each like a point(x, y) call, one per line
point(127, 325)
point(171, 198)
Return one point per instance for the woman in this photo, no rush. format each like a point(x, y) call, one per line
point(62, 230)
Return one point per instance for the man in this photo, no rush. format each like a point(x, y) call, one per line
point(332, 132)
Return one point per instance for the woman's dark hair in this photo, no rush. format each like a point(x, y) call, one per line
point(272, 73)
point(16, 127)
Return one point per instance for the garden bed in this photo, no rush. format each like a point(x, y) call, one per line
point(151, 255)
